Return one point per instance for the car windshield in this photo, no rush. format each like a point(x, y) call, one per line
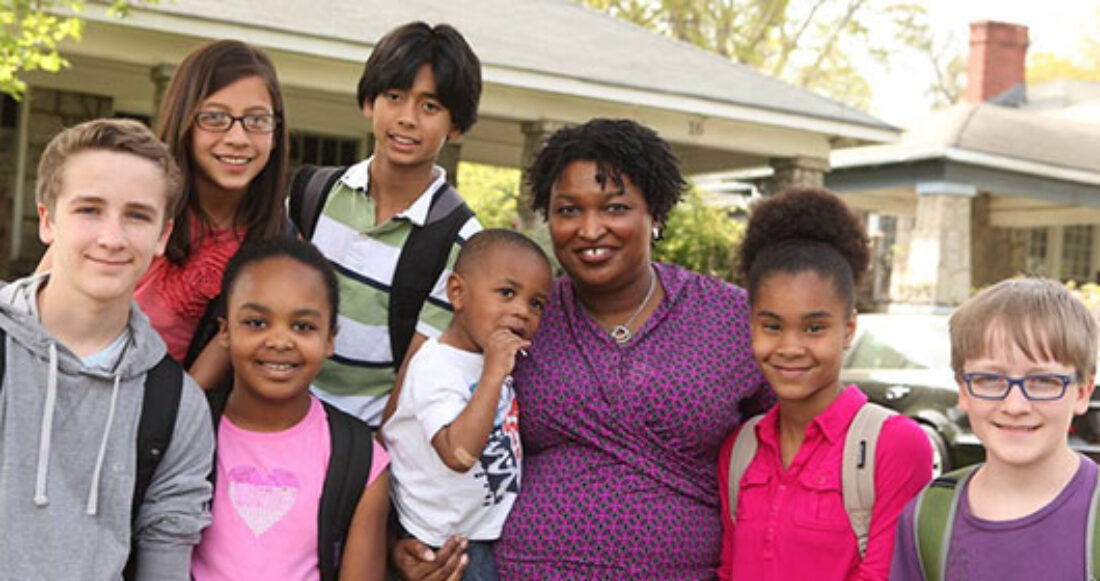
point(900, 342)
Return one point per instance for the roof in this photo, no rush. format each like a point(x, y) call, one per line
point(988, 135)
point(1066, 98)
point(1061, 93)
point(551, 37)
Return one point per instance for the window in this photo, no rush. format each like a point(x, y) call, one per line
point(1037, 251)
point(9, 112)
point(1077, 253)
point(322, 150)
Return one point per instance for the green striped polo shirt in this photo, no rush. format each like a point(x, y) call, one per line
point(361, 373)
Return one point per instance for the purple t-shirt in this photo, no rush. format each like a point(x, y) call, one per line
point(621, 442)
point(1047, 544)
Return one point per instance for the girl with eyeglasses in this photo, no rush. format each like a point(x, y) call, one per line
point(222, 117)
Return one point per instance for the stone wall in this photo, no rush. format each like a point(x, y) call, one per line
point(932, 262)
point(50, 112)
point(995, 253)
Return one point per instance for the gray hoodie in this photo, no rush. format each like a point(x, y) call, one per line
point(68, 457)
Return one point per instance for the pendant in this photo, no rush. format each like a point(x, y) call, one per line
point(621, 334)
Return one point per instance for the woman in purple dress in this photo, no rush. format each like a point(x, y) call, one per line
point(637, 373)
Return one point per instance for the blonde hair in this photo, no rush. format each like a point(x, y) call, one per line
point(119, 135)
point(1038, 316)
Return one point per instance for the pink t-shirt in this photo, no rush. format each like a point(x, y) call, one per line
point(174, 297)
point(266, 500)
point(791, 522)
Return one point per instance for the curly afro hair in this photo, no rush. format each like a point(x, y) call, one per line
point(805, 229)
point(618, 147)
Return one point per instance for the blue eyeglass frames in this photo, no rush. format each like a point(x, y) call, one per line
point(1038, 387)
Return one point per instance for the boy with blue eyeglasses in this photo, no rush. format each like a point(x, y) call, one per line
point(1024, 355)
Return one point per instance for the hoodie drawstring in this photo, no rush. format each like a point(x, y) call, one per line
point(40, 498)
point(93, 490)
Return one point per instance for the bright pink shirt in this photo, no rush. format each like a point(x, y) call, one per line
point(174, 297)
point(266, 498)
point(791, 522)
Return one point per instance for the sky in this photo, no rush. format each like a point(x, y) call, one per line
point(1053, 25)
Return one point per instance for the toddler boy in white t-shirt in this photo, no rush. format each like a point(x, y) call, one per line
point(454, 437)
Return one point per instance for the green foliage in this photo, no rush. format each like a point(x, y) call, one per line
point(30, 32)
point(806, 42)
point(1089, 293)
point(491, 191)
point(700, 237)
point(1084, 65)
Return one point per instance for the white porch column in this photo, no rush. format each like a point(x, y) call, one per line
point(160, 75)
point(535, 134)
point(797, 171)
point(935, 275)
point(448, 159)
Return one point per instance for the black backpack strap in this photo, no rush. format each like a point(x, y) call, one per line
point(159, 408)
point(349, 468)
point(205, 331)
point(422, 260)
point(308, 191)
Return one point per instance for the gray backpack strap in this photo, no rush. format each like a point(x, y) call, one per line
point(744, 449)
point(858, 469)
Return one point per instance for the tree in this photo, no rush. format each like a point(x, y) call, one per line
point(808, 43)
point(1084, 66)
point(31, 32)
point(700, 237)
point(492, 193)
point(941, 52)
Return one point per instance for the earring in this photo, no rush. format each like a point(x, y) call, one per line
point(656, 233)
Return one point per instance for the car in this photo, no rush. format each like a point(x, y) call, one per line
point(903, 362)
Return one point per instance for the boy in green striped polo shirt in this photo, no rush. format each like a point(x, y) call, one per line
point(420, 88)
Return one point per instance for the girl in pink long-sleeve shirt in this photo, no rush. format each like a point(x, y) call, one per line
point(803, 254)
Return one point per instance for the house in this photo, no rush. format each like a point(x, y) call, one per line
point(546, 63)
point(1005, 182)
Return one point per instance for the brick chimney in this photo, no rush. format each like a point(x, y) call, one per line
point(996, 64)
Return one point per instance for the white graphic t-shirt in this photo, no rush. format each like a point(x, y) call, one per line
point(433, 501)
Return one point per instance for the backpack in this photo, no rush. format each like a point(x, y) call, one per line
point(159, 407)
point(857, 466)
point(934, 522)
point(352, 448)
point(422, 259)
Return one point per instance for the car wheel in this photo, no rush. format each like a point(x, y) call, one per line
point(941, 456)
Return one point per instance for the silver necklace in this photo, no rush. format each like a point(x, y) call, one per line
point(621, 333)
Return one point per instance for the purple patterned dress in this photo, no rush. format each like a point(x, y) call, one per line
point(621, 442)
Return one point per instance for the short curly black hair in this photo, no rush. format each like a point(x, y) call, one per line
point(300, 251)
point(397, 58)
point(805, 229)
point(618, 147)
point(477, 248)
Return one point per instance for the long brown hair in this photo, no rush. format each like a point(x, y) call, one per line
point(205, 71)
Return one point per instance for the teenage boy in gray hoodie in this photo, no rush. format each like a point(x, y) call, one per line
point(77, 354)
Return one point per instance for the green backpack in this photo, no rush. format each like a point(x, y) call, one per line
point(934, 522)
point(857, 466)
